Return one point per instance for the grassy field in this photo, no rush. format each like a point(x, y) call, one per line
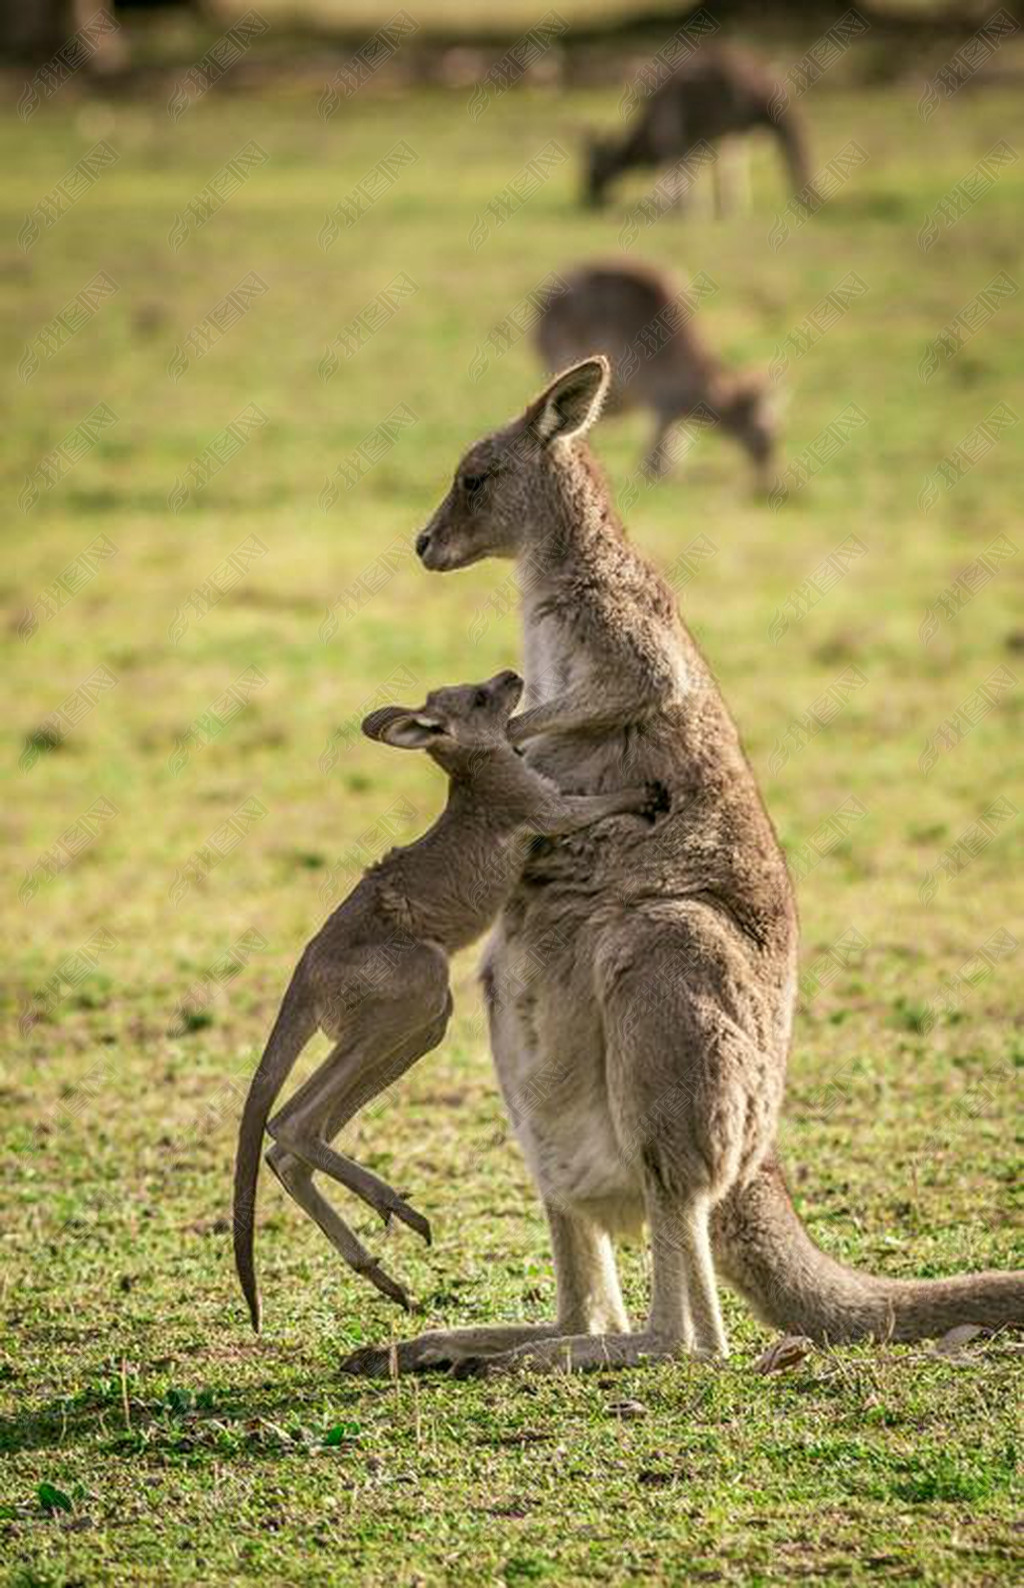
point(175, 835)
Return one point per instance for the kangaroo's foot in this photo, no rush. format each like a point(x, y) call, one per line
point(578, 1353)
point(444, 1349)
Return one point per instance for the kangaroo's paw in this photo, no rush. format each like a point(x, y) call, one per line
point(658, 800)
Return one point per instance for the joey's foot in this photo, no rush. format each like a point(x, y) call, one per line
point(381, 1280)
point(400, 1209)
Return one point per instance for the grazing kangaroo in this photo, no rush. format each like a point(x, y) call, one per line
point(640, 990)
point(716, 94)
point(639, 318)
point(375, 977)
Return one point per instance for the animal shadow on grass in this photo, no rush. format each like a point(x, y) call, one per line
point(218, 1421)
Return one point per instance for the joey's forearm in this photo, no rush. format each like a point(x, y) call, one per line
point(573, 811)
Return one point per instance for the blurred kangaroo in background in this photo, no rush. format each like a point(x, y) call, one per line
point(641, 320)
point(640, 990)
point(716, 94)
point(375, 977)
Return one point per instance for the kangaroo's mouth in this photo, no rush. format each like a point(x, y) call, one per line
point(437, 558)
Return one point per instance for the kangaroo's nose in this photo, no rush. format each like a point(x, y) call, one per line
point(510, 680)
point(422, 542)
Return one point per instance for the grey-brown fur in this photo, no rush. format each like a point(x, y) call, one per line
point(640, 319)
point(718, 93)
point(375, 977)
point(641, 991)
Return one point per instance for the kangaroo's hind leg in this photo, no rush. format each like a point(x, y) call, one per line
point(677, 1081)
point(588, 1298)
point(658, 461)
point(731, 178)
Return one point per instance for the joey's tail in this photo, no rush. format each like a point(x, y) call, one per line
point(295, 1024)
point(763, 1251)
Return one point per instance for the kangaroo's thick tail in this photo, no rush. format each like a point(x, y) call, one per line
point(763, 1251)
point(295, 1024)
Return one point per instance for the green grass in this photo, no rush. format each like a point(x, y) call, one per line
point(130, 1383)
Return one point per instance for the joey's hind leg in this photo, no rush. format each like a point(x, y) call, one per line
point(322, 1115)
point(307, 1124)
point(297, 1179)
point(395, 1023)
point(371, 1058)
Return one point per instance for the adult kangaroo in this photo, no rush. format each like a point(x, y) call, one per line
point(640, 988)
point(641, 319)
point(718, 93)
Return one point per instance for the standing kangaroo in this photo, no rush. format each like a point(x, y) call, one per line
point(638, 317)
point(375, 977)
point(718, 93)
point(640, 991)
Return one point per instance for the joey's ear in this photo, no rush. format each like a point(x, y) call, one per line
point(571, 403)
point(405, 729)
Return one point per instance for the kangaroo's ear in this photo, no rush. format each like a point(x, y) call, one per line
point(405, 729)
point(571, 403)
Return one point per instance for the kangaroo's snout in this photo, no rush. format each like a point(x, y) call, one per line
point(433, 548)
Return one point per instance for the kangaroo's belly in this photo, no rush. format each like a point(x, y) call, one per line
point(548, 1047)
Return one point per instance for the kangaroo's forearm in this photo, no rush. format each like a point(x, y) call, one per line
point(577, 711)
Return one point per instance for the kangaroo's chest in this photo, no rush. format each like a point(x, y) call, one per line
point(549, 668)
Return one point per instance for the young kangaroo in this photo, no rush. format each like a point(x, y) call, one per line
point(375, 977)
point(638, 318)
point(640, 991)
point(717, 93)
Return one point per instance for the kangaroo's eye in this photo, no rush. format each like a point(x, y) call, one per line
point(480, 699)
point(473, 483)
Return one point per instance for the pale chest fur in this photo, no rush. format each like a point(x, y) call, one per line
point(549, 665)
